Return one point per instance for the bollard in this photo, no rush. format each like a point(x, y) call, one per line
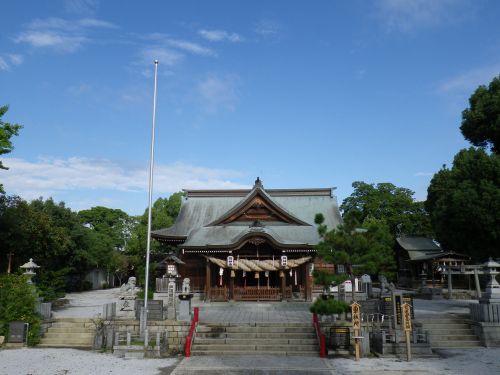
point(146, 338)
point(158, 338)
point(129, 338)
point(117, 338)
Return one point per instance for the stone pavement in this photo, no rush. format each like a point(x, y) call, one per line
point(246, 365)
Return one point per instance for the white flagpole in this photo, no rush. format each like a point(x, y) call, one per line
point(151, 165)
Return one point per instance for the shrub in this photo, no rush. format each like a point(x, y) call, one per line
point(328, 306)
point(17, 303)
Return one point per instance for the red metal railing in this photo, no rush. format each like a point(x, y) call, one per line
point(190, 336)
point(321, 337)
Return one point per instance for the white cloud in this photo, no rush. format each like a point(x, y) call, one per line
point(423, 174)
point(46, 176)
point(10, 59)
point(191, 47)
point(411, 15)
point(60, 34)
point(81, 7)
point(61, 42)
point(268, 28)
point(3, 64)
point(219, 35)
point(15, 59)
point(218, 93)
point(468, 81)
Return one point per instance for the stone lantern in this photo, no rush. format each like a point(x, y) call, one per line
point(30, 269)
point(492, 292)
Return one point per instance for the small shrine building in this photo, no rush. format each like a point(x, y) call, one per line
point(251, 245)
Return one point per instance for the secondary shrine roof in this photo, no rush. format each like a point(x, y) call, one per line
point(228, 218)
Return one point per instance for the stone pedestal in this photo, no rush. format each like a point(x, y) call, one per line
point(125, 307)
point(184, 307)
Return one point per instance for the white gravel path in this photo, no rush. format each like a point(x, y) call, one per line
point(75, 362)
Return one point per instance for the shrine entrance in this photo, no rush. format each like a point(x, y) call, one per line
point(246, 279)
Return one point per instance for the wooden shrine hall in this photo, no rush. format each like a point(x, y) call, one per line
point(250, 245)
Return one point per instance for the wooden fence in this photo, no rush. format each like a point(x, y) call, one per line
point(257, 294)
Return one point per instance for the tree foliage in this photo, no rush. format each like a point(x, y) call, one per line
point(481, 121)
point(368, 249)
point(389, 203)
point(464, 204)
point(17, 303)
point(7, 131)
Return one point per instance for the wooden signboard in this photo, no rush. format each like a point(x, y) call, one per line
point(356, 326)
point(406, 316)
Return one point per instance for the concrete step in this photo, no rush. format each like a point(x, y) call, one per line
point(71, 330)
point(254, 341)
point(70, 325)
point(259, 347)
point(445, 331)
point(455, 344)
point(439, 338)
point(262, 335)
point(259, 329)
point(256, 352)
point(56, 335)
point(71, 346)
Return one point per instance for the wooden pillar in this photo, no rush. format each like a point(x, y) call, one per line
point(449, 283)
point(283, 284)
point(308, 282)
point(207, 281)
point(231, 285)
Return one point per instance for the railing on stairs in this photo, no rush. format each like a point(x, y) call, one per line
point(192, 330)
point(321, 337)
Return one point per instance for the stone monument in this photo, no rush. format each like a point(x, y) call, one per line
point(185, 301)
point(126, 299)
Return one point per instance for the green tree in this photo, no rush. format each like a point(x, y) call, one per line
point(17, 303)
point(481, 121)
point(367, 249)
point(164, 213)
point(114, 224)
point(464, 204)
point(385, 201)
point(7, 131)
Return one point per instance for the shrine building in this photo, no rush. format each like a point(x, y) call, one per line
point(251, 245)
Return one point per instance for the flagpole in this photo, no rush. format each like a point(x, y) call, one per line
point(151, 165)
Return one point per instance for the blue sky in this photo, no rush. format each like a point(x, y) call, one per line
point(302, 94)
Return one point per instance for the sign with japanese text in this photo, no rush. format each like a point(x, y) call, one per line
point(406, 312)
point(356, 316)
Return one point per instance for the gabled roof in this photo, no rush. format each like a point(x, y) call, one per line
point(227, 218)
point(258, 206)
point(424, 248)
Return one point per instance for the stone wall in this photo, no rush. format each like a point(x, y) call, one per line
point(177, 331)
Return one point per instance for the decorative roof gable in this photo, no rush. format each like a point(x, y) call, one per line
point(257, 206)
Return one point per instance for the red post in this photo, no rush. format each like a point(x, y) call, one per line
point(187, 346)
point(322, 346)
point(196, 314)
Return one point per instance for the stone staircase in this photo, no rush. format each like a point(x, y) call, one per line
point(449, 332)
point(297, 339)
point(69, 333)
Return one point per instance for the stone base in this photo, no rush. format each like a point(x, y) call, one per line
point(488, 333)
point(430, 293)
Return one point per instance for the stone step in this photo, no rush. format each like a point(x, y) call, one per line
point(243, 341)
point(243, 329)
point(261, 347)
point(69, 343)
point(439, 338)
point(434, 326)
point(255, 324)
point(71, 330)
point(262, 335)
point(444, 331)
point(312, 353)
point(72, 346)
point(455, 344)
point(56, 335)
point(70, 325)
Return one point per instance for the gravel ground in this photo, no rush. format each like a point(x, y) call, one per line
point(24, 361)
point(77, 362)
